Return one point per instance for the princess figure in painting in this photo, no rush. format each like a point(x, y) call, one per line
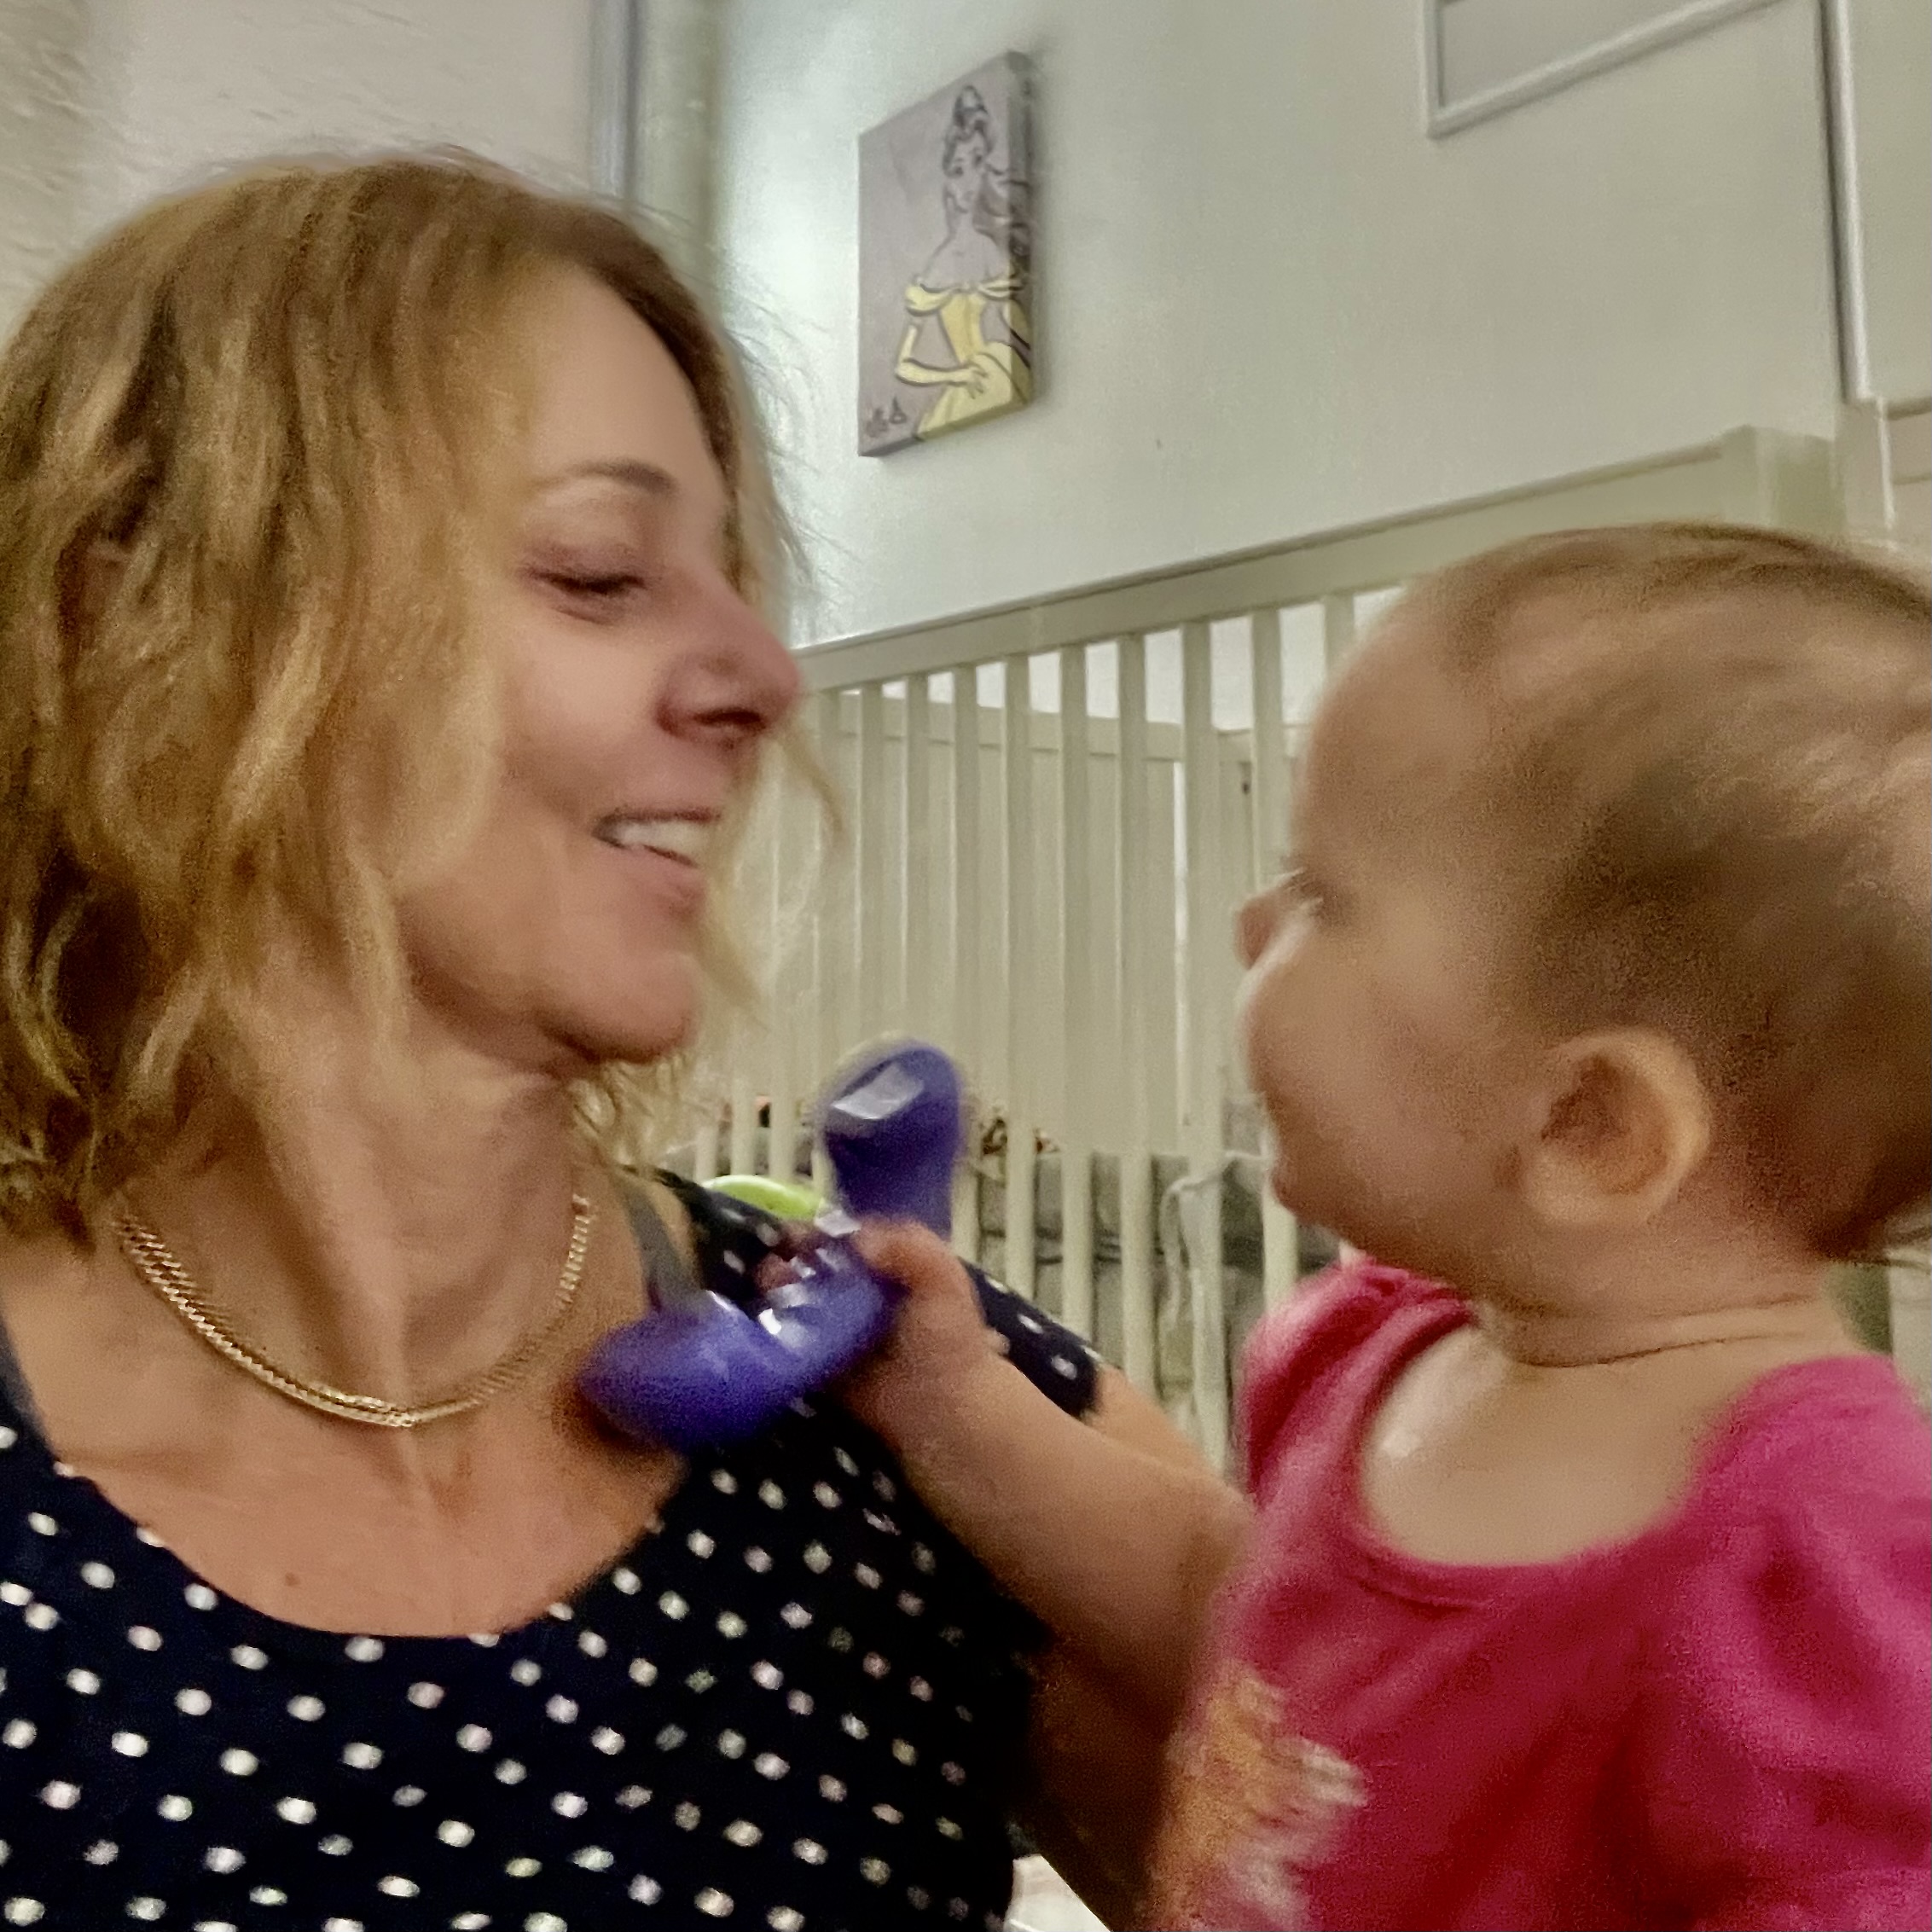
point(979, 269)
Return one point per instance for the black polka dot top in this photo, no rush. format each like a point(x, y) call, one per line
point(796, 1702)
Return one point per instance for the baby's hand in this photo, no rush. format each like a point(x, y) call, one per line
point(939, 1347)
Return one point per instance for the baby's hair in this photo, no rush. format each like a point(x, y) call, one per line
point(1712, 747)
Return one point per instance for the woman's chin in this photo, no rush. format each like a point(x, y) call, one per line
point(637, 1030)
point(642, 1043)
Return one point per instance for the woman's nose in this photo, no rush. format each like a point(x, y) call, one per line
point(742, 682)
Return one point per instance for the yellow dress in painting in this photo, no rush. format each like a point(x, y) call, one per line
point(1001, 379)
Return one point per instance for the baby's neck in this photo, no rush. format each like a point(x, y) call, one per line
point(1625, 1308)
point(1539, 1432)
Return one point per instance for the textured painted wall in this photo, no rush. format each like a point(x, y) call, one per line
point(105, 103)
point(1887, 47)
point(1268, 302)
point(44, 136)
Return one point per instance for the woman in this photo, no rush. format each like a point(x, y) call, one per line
point(380, 683)
point(980, 267)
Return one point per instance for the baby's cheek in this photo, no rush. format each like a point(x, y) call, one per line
point(1258, 1039)
point(1281, 1011)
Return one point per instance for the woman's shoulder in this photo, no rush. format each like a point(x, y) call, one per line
point(810, 1536)
point(44, 1291)
point(730, 1240)
point(795, 1645)
point(724, 1240)
point(819, 1477)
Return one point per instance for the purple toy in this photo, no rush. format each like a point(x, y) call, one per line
point(701, 1370)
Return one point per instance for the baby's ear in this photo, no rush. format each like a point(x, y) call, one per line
point(1622, 1122)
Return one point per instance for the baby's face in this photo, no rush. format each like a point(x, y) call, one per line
point(1394, 1080)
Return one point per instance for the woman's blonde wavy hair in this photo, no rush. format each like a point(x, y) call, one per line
point(252, 469)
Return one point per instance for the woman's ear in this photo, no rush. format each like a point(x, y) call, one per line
point(1623, 1123)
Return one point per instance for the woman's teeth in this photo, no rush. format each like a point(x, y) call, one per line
point(684, 838)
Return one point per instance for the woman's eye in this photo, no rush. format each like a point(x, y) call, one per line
point(594, 589)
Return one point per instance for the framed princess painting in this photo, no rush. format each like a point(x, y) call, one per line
point(945, 262)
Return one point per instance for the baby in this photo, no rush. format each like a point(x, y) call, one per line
point(1593, 1584)
point(1589, 1583)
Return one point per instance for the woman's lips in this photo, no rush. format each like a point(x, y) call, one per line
point(675, 835)
point(678, 884)
point(665, 853)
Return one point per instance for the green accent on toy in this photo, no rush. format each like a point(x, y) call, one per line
point(786, 1199)
point(1864, 1295)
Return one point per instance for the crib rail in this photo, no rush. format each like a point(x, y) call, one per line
point(1885, 464)
point(1056, 806)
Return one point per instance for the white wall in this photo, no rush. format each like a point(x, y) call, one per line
point(1269, 304)
point(43, 139)
point(104, 103)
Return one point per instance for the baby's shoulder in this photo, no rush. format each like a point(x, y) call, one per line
point(1802, 1557)
point(1816, 1483)
point(1329, 1348)
point(1823, 1448)
point(1781, 1719)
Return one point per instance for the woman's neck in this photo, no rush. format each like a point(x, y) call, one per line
point(391, 1237)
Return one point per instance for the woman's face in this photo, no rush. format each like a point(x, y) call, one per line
point(639, 687)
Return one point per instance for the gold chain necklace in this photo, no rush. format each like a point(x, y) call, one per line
point(158, 1265)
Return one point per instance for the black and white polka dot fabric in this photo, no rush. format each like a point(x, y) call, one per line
point(796, 1703)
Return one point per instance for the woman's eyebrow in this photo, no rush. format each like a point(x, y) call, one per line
point(655, 484)
point(629, 470)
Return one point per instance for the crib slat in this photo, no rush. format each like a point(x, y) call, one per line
point(968, 918)
point(1337, 630)
point(744, 1142)
point(1269, 818)
point(1076, 949)
point(1202, 1017)
point(1137, 910)
point(874, 912)
point(1282, 1266)
point(828, 952)
point(756, 866)
point(704, 1147)
point(1024, 981)
point(1268, 823)
point(1338, 640)
point(916, 880)
point(782, 1046)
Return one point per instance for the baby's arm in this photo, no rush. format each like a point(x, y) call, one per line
point(1112, 1531)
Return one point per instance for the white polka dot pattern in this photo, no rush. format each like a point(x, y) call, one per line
point(751, 1720)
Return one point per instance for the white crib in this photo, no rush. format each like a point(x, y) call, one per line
point(1055, 807)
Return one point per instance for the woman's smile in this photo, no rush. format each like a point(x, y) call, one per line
point(666, 855)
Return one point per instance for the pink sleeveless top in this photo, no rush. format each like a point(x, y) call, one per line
point(1724, 1722)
